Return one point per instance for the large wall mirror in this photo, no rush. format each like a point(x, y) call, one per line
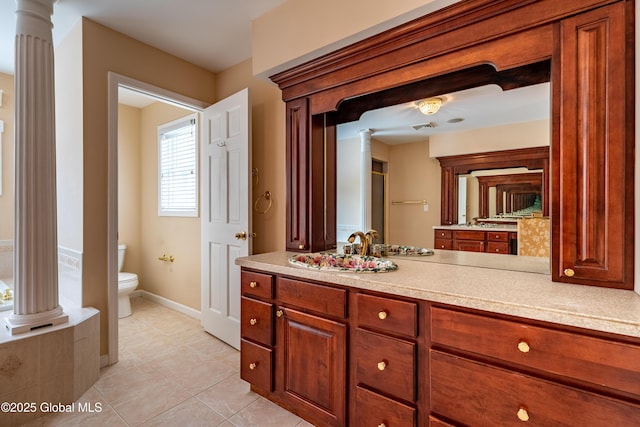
point(584, 47)
point(481, 113)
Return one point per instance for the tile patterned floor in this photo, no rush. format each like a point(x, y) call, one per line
point(172, 373)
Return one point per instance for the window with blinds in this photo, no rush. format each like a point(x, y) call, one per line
point(178, 167)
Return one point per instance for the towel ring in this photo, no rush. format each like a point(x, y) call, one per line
point(266, 196)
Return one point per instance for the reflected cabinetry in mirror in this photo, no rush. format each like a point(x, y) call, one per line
point(589, 46)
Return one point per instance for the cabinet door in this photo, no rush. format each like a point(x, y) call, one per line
point(468, 245)
point(592, 224)
point(312, 365)
point(297, 154)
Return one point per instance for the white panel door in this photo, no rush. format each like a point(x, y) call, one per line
point(226, 212)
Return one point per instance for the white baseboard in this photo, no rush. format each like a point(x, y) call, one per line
point(191, 312)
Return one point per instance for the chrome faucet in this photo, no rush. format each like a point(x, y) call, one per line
point(366, 240)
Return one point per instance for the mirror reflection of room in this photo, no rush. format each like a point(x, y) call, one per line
point(410, 197)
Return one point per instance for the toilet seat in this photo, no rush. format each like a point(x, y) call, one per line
point(126, 278)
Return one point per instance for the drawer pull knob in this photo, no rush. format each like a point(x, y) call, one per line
point(569, 272)
point(279, 313)
point(382, 315)
point(382, 365)
point(523, 415)
point(523, 347)
point(253, 365)
point(382, 425)
point(253, 284)
point(300, 246)
point(253, 322)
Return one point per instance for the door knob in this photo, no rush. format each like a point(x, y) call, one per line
point(241, 235)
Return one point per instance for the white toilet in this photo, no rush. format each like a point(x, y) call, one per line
point(127, 283)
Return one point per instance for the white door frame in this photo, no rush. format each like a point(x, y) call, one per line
point(115, 81)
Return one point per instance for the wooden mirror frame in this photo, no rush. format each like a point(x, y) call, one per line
point(452, 166)
point(590, 46)
point(511, 185)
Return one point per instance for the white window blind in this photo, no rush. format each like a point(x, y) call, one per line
point(178, 167)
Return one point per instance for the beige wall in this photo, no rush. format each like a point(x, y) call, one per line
point(268, 151)
point(507, 137)
point(299, 30)
point(105, 50)
point(174, 236)
point(129, 187)
point(413, 175)
point(7, 178)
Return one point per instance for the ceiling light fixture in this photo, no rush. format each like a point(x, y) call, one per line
point(430, 106)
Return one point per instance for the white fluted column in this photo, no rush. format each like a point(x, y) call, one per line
point(365, 177)
point(36, 241)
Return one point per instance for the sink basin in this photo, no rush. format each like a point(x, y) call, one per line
point(332, 261)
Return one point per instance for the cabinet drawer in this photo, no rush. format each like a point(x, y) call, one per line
point(599, 361)
point(434, 422)
point(385, 364)
point(323, 299)
point(256, 365)
point(498, 248)
point(443, 244)
point(498, 236)
point(442, 234)
point(375, 410)
point(477, 394)
point(468, 245)
point(256, 320)
point(468, 235)
point(389, 315)
point(256, 284)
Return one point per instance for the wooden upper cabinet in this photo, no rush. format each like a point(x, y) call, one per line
point(592, 219)
point(311, 181)
point(589, 44)
point(297, 165)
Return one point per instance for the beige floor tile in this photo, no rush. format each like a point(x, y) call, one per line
point(229, 396)
point(191, 413)
point(153, 401)
point(197, 378)
point(165, 359)
point(264, 413)
point(104, 417)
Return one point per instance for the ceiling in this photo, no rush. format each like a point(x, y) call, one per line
point(481, 107)
point(214, 34)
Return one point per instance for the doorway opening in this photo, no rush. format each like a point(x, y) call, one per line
point(379, 198)
point(118, 85)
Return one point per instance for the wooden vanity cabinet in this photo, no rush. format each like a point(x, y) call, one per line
point(443, 239)
point(487, 371)
point(345, 357)
point(384, 351)
point(256, 329)
point(497, 242)
point(311, 350)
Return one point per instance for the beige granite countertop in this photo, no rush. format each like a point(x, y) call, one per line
point(524, 294)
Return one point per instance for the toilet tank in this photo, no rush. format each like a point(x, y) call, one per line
point(121, 249)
